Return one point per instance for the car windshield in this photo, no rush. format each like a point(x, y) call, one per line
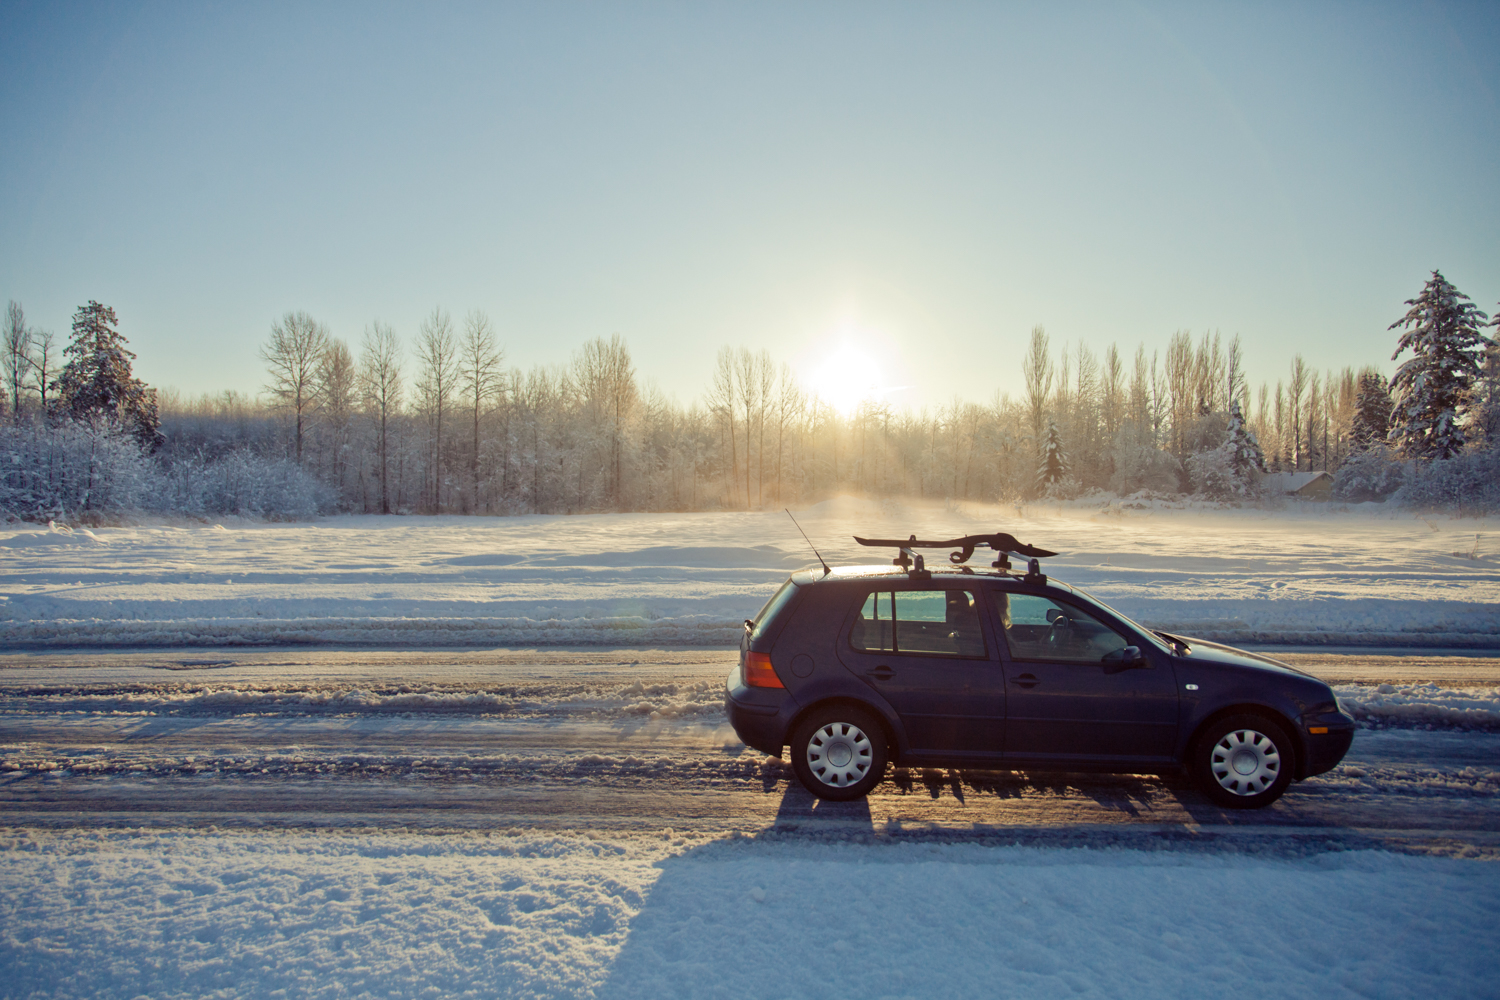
point(772, 608)
point(1150, 636)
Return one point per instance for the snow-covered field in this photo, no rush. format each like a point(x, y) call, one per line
point(342, 914)
point(428, 820)
point(1307, 574)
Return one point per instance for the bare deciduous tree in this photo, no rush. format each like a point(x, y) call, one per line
point(1036, 368)
point(765, 374)
point(437, 352)
point(337, 388)
point(43, 365)
point(1234, 375)
point(292, 357)
point(747, 389)
point(15, 362)
point(789, 404)
point(1180, 381)
point(1295, 388)
point(721, 401)
point(480, 374)
point(380, 384)
point(1111, 394)
point(606, 379)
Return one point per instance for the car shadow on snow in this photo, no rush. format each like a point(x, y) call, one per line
point(1134, 795)
point(801, 810)
point(803, 906)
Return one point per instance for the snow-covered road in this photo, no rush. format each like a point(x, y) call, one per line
point(581, 823)
point(626, 740)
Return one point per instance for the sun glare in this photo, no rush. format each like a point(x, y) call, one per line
point(846, 378)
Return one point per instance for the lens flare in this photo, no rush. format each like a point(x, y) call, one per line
point(846, 378)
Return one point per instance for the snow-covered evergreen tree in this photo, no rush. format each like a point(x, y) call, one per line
point(1244, 448)
point(1442, 330)
point(1213, 474)
point(1372, 473)
point(1484, 407)
point(96, 386)
point(1372, 411)
point(1054, 460)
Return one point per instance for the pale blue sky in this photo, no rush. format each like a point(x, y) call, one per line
point(936, 177)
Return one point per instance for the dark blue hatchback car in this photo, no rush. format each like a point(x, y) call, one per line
point(862, 666)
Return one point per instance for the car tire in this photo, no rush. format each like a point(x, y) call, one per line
point(839, 752)
point(1243, 761)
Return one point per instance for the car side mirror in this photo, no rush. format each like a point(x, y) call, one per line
point(1117, 660)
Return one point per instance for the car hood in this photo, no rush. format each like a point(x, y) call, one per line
point(1204, 652)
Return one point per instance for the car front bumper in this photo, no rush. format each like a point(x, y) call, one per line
point(1328, 737)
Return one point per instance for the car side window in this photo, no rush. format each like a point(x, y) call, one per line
point(874, 627)
point(925, 622)
point(1039, 628)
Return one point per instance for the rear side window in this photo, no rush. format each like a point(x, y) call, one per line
point(875, 627)
point(926, 622)
point(772, 609)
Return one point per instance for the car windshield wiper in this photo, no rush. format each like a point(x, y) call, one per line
point(1173, 641)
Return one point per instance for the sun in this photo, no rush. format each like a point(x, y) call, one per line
point(846, 378)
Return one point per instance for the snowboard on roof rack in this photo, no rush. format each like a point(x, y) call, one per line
point(1001, 542)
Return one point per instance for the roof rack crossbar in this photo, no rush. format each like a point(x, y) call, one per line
point(1002, 543)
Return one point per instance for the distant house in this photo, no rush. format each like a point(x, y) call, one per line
point(1302, 485)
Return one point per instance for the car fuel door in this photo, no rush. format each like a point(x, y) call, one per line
point(929, 654)
point(1075, 693)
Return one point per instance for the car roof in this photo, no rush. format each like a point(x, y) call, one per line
point(853, 574)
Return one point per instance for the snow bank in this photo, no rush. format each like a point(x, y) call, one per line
point(1347, 577)
point(1422, 704)
point(595, 697)
point(687, 630)
point(251, 914)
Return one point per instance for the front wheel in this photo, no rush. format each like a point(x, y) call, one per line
point(839, 753)
point(1243, 762)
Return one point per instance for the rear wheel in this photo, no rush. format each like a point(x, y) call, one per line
point(1243, 762)
point(839, 752)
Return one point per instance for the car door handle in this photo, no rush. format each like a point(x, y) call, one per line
point(1026, 681)
point(881, 673)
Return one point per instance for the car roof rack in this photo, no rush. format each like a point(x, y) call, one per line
point(1003, 543)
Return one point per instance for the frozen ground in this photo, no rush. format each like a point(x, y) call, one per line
point(581, 823)
point(203, 913)
point(1310, 574)
point(431, 820)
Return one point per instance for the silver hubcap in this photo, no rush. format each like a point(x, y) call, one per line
point(1245, 762)
point(839, 754)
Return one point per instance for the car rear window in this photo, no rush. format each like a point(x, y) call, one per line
point(772, 608)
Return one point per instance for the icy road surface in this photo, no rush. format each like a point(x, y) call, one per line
point(581, 824)
point(1309, 573)
point(631, 740)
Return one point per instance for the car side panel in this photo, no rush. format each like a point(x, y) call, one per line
point(1221, 687)
point(1067, 714)
point(950, 708)
point(806, 659)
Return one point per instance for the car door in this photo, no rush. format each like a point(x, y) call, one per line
point(1066, 702)
point(928, 652)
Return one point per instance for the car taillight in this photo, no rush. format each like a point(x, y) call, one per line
point(759, 673)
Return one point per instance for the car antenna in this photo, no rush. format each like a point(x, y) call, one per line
point(810, 545)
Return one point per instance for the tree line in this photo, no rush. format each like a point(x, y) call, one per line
point(446, 427)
